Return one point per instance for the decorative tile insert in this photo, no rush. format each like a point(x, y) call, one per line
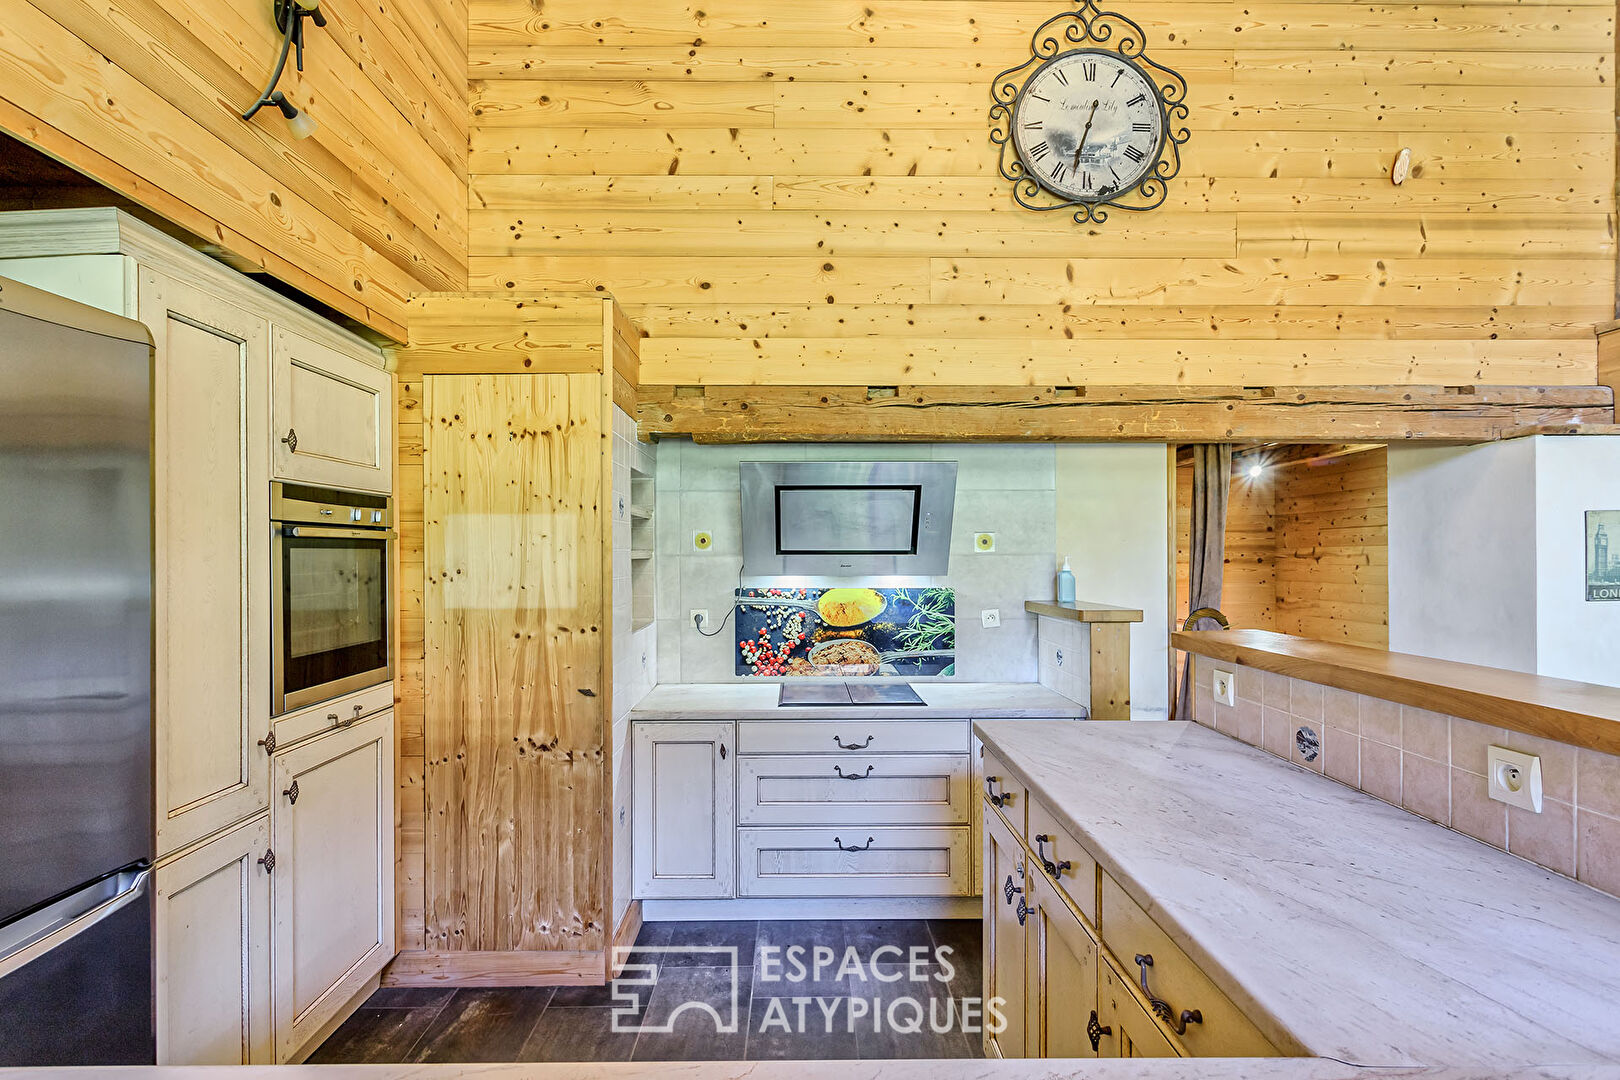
point(1432, 765)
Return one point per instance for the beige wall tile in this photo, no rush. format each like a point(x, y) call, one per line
point(1381, 771)
point(1474, 812)
point(1426, 787)
point(1341, 756)
point(1341, 710)
point(1275, 690)
point(1305, 701)
point(1598, 783)
point(1598, 851)
point(1247, 724)
point(1469, 741)
point(1380, 721)
point(1426, 733)
point(1547, 838)
point(1249, 683)
point(1277, 731)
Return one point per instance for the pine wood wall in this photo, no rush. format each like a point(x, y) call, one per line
point(1307, 549)
point(803, 191)
point(143, 96)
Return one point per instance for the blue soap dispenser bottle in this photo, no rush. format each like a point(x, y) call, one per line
point(1065, 583)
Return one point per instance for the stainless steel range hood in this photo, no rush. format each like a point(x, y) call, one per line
point(847, 518)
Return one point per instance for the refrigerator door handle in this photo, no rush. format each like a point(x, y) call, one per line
point(35, 935)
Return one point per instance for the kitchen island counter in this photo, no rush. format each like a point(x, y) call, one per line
point(1340, 925)
point(941, 700)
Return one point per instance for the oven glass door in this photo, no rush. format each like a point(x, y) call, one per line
point(333, 633)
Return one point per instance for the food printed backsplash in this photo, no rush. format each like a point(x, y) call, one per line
point(846, 632)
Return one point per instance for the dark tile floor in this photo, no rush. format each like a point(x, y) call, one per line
point(868, 999)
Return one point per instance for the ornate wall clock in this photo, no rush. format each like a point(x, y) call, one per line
point(1089, 122)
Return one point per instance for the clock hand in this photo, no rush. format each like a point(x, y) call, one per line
point(1086, 133)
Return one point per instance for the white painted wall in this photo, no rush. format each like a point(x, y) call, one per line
point(1575, 638)
point(1113, 522)
point(1487, 558)
point(1462, 553)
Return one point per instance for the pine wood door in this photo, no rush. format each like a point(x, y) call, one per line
point(1061, 990)
point(1006, 939)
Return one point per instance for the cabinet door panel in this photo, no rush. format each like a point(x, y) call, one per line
point(333, 884)
point(332, 411)
point(1005, 938)
point(212, 559)
point(1062, 986)
point(684, 809)
point(212, 936)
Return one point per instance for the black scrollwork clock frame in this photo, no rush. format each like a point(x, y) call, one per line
point(1090, 27)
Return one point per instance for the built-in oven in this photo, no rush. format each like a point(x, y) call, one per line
point(331, 606)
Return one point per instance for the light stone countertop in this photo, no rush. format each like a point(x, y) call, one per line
point(757, 701)
point(957, 1069)
point(1339, 924)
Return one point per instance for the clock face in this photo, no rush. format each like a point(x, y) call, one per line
point(1088, 124)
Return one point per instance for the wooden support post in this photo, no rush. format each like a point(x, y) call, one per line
point(1110, 671)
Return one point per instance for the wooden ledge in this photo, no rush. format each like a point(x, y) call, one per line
point(1580, 714)
point(1082, 611)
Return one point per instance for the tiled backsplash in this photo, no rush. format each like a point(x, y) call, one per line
point(1009, 490)
point(1065, 656)
point(1432, 765)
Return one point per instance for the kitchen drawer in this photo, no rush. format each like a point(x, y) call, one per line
point(1005, 791)
point(834, 736)
point(855, 860)
point(827, 789)
point(328, 715)
point(1053, 846)
point(1175, 979)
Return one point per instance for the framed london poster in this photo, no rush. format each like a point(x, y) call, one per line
point(1603, 554)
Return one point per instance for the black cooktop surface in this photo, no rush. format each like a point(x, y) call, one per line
point(829, 694)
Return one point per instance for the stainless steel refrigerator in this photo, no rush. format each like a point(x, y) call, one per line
point(76, 815)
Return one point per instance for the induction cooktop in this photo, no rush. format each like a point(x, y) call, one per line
point(831, 694)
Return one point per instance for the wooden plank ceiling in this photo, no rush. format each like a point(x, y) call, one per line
point(805, 193)
point(143, 97)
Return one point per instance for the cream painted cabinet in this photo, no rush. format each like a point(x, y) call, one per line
point(1006, 939)
point(331, 416)
point(684, 795)
point(332, 889)
point(212, 589)
point(1061, 986)
point(211, 928)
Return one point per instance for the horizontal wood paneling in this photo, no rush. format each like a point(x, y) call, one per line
point(786, 193)
point(145, 98)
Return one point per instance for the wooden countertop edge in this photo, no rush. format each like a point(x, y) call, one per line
point(1082, 612)
point(1580, 714)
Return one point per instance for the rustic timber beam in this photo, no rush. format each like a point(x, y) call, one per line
point(1282, 414)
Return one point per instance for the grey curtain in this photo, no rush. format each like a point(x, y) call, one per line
point(1206, 545)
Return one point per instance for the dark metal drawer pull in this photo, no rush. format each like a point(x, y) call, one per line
point(1001, 799)
point(1009, 890)
point(292, 793)
point(1053, 869)
point(1096, 1031)
point(1024, 910)
point(842, 775)
point(852, 746)
point(1161, 1008)
point(863, 847)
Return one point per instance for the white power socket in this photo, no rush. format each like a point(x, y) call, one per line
point(698, 617)
point(1225, 687)
point(990, 618)
point(1514, 778)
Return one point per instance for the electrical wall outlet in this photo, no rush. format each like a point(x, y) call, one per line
point(1514, 778)
point(702, 541)
point(984, 541)
point(698, 617)
point(1225, 687)
point(990, 617)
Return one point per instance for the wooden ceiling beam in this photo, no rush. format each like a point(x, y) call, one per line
point(1176, 414)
